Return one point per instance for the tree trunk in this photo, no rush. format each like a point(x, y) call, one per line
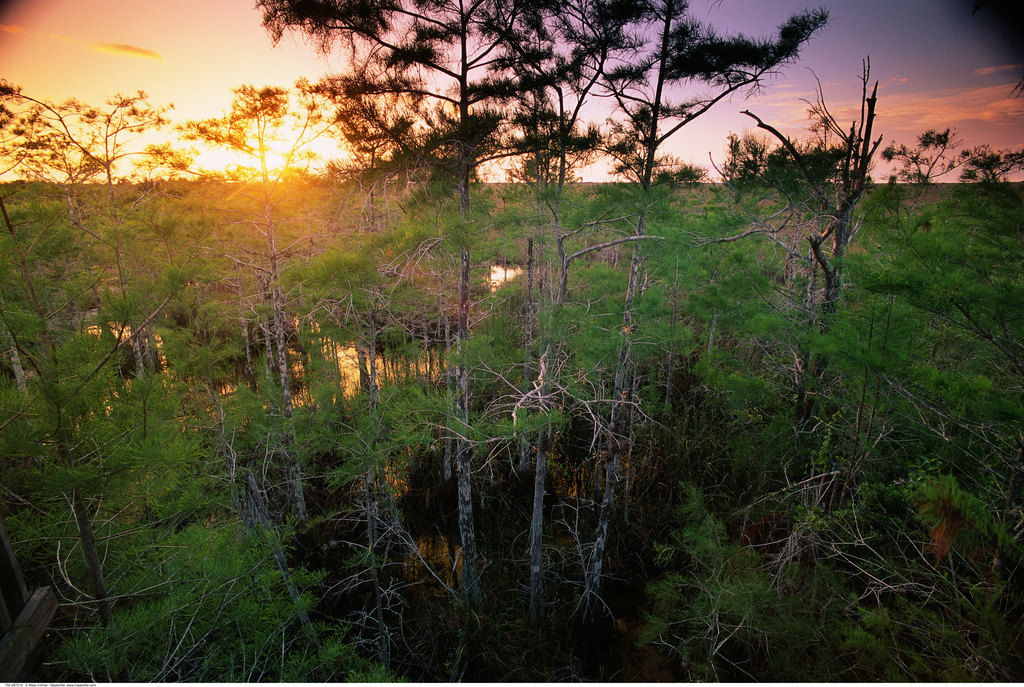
point(19, 371)
point(631, 438)
point(92, 559)
point(281, 345)
point(464, 452)
point(140, 358)
point(613, 456)
point(449, 375)
point(250, 371)
point(256, 514)
point(268, 349)
point(611, 463)
point(373, 535)
point(524, 436)
point(364, 369)
point(298, 497)
point(536, 612)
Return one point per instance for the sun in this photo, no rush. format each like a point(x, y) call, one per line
point(267, 132)
point(311, 157)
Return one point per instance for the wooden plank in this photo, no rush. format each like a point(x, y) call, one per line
point(6, 621)
point(12, 584)
point(28, 629)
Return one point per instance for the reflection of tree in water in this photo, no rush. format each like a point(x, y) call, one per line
point(442, 554)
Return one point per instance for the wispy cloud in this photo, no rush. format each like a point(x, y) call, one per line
point(987, 114)
point(109, 48)
point(989, 104)
point(985, 71)
point(125, 49)
point(981, 115)
point(21, 30)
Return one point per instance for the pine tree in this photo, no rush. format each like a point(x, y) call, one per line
point(680, 51)
point(265, 123)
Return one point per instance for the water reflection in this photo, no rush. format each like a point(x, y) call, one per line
point(390, 370)
point(123, 334)
point(502, 274)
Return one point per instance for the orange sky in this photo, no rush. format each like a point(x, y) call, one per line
point(937, 64)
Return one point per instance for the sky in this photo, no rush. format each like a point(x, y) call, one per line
point(937, 64)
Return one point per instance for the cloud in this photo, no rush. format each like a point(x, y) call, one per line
point(109, 48)
point(125, 49)
point(985, 71)
point(981, 115)
point(22, 31)
point(899, 80)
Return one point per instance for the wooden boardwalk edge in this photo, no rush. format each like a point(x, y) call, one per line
point(18, 644)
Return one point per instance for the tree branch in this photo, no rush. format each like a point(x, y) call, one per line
point(609, 244)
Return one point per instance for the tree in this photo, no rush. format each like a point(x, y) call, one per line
point(72, 378)
point(382, 134)
point(558, 60)
point(272, 128)
point(957, 267)
point(75, 146)
point(443, 51)
point(837, 192)
point(680, 51)
point(926, 162)
point(803, 200)
point(72, 142)
point(818, 184)
point(72, 145)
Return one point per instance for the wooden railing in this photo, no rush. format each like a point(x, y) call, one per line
point(23, 618)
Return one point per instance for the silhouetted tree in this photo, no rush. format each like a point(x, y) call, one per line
point(680, 51)
point(272, 128)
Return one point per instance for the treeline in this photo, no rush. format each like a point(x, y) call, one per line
point(278, 424)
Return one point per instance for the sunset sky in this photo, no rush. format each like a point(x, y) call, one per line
point(936, 64)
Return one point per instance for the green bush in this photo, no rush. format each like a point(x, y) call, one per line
point(210, 606)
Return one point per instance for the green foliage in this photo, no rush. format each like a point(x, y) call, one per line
point(959, 519)
point(872, 538)
point(729, 617)
point(800, 610)
point(210, 607)
point(952, 270)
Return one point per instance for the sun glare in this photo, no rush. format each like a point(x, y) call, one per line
point(217, 159)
